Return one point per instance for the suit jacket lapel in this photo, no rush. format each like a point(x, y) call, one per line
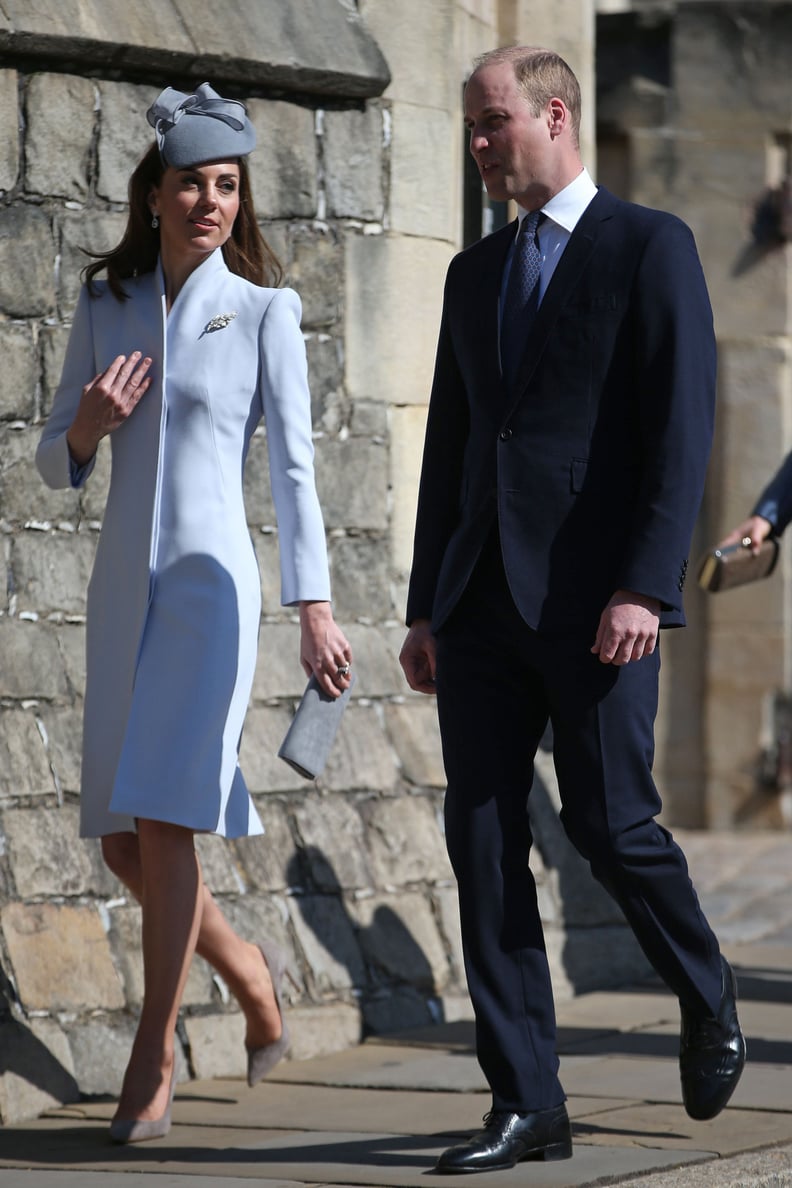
point(563, 282)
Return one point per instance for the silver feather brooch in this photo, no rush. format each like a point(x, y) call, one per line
point(219, 322)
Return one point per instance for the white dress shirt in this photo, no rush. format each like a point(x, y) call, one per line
point(562, 214)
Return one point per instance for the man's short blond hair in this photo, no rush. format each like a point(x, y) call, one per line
point(541, 75)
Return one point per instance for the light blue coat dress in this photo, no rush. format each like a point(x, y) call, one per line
point(174, 600)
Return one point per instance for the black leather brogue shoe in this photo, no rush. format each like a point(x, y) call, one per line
point(509, 1138)
point(711, 1054)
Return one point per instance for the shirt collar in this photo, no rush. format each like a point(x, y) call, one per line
point(566, 207)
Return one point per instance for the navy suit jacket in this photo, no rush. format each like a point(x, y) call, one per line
point(775, 502)
point(594, 461)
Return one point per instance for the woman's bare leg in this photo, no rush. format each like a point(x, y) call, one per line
point(238, 962)
point(171, 905)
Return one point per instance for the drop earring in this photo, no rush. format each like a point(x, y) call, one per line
point(154, 222)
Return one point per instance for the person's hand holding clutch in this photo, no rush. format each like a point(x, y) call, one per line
point(750, 533)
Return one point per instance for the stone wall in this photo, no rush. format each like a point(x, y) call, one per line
point(700, 99)
point(359, 194)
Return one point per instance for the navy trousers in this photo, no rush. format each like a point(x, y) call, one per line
point(498, 685)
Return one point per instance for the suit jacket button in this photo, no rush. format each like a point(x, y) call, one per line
point(505, 434)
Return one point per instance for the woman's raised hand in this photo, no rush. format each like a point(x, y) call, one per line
point(106, 402)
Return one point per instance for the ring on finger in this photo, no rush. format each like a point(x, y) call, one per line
point(342, 670)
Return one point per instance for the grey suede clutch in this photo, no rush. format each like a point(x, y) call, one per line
point(310, 737)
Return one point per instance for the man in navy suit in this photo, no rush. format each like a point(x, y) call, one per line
point(558, 494)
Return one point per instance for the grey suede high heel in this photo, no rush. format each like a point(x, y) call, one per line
point(138, 1130)
point(263, 1060)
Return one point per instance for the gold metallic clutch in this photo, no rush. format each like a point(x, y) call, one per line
point(735, 565)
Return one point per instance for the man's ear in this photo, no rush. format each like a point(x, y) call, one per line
point(557, 116)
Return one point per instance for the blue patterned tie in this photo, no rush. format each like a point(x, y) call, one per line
point(522, 296)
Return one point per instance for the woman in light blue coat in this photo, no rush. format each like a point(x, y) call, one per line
point(178, 355)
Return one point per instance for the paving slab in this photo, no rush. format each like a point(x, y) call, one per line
point(385, 1067)
point(380, 1113)
point(340, 1158)
point(272, 1106)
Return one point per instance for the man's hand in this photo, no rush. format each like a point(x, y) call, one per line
point(417, 657)
point(627, 628)
point(755, 529)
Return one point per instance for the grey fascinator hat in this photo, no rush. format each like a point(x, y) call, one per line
point(202, 126)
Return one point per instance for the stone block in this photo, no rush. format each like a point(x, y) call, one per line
point(127, 946)
point(412, 272)
point(80, 234)
point(362, 757)
point(408, 428)
point(283, 170)
point(406, 843)
point(35, 1074)
point(217, 856)
point(313, 47)
point(266, 546)
point(326, 380)
point(353, 163)
point(414, 732)
point(9, 122)
point(266, 861)
point(71, 646)
point(52, 342)
point(94, 494)
point(27, 263)
point(416, 39)
point(333, 843)
point(426, 143)
point(719, 61)
point(352, 481)
point(19, 374)
point(100, 1048)
point(276, 236)
point(217, 1044)
point(278, 671)
point(259, 507)
point(256, 917)
point(328, 942)
point(63, 728)
point(359, 577)
point(23, 495)
point(60, 956)
point(124, 135)
point(585, 959)
point(447, 902)
point(319, 1031)
point(369, 419)
point(377, 668)
point(395, 1008)
point(59, 133)
point(316, 272)
point(454, 1008)
point(51, 570)
point(400, 941)
point(30, 665)
point(47, 858)
point(264, 730)
point(24, 770)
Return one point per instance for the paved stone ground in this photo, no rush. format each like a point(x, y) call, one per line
point(379, 1114)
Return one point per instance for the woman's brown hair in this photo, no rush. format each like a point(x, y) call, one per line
point(246, 252)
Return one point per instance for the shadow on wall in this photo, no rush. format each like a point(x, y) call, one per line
point(598, 950)
point(388, 970)
point(23, 1057)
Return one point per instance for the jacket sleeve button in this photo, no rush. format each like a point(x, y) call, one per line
point(505, 434)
